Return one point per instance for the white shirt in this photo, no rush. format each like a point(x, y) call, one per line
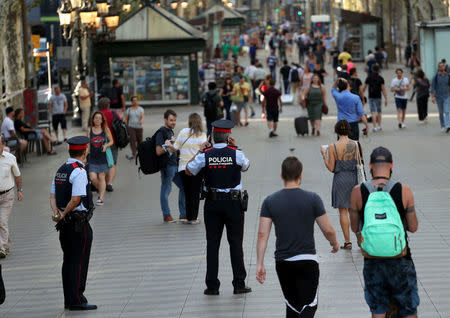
point(79, 180)
point(199, 163)
point(7, 126)
point(8, 170)
point(83, 92)
point(397, 83)
point(191, 146)
point(250, 71)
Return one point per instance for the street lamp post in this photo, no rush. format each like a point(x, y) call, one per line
point(84, 21)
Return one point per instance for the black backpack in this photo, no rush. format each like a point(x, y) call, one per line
point(120, 132)
point(294, 76)
point(375, 88)
point(149, 161)
point(210, 106)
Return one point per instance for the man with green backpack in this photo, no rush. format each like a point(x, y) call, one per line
point(382, 211)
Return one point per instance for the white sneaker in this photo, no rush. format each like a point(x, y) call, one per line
point(379, 128)
point(374, 129)
point(100, 202)
point(403, 125)
point(443, 129)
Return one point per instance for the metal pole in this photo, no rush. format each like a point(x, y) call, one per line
point(49, 68)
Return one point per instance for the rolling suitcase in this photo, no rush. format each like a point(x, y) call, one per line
point(301, 126)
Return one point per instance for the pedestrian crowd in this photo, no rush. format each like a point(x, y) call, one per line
point(203, 161)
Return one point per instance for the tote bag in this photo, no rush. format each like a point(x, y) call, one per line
point(109, 156)
point(361, 173)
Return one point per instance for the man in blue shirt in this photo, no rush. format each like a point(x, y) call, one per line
point(440, 95)
point(349, 107)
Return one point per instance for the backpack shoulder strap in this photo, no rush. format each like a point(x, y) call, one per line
point(389, 186)
point(369, 186)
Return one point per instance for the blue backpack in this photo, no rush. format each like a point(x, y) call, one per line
point(383, 234)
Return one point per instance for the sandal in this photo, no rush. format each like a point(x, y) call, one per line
point(347, 246)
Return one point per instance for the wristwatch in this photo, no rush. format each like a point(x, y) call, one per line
point(20, 190)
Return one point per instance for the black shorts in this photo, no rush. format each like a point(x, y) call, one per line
point(299, 282)
point(57, 119)
point(272, 115)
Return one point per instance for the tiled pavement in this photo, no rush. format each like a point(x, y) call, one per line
point(141, 267)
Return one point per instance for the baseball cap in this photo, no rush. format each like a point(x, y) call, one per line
point(381, 154)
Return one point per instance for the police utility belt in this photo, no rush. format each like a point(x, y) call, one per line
point(78, 218)
point(234, 195)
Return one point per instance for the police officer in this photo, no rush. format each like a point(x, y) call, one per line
point(72, 206)
point(222, 166)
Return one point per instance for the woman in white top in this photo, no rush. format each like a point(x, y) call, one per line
point(189, 142)
point(134, 118)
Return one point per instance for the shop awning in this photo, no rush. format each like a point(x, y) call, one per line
point(438, 23)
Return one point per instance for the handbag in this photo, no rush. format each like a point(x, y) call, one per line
point(361, 173)
point(109, 158)
point(237, 98)
point(325, 109)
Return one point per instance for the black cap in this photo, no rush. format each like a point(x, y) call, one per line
point(381, 154)
point(223, 125)
point(78, 142)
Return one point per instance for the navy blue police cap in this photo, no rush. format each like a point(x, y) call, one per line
point(78, 142)
point(223, 125)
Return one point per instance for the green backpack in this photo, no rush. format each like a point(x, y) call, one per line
point(383, 233)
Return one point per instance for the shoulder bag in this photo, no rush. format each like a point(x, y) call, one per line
point(361, 173)
point(179, 150)
point(109, 156)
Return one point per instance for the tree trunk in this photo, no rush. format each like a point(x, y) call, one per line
point(12, 50)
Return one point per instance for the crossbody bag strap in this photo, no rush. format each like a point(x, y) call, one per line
point(185, 141)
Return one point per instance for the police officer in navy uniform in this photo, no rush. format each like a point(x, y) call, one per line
point(222, 165)
point(72, 206)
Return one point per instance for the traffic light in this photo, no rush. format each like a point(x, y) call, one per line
point(300, 12)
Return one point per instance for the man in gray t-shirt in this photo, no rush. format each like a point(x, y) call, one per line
point(58, 109)
point(293, 212)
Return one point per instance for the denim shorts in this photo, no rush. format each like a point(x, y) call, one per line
point(241, 105)
point(375, 105)
point(387, 279)
point(401, 103)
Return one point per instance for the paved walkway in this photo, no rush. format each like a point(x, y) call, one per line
point(141, 267)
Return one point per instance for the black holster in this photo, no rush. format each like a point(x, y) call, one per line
point(244, 200)
point(78, 218)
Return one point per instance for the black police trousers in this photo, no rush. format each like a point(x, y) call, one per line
point(76, 248)
point(220, 213)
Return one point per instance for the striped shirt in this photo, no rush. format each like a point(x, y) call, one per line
point(190, 147)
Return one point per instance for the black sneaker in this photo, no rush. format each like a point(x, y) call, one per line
point(271, 134)
point(243, 290)
point(211, 292)
point(448, 130)
point(274, 134)
point(109, 188)
point(400, 126)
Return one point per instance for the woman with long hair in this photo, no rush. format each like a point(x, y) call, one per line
point(225, 92)
point(189, 141)
point(315, 94)
point(341, 159)
point(100, 139)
